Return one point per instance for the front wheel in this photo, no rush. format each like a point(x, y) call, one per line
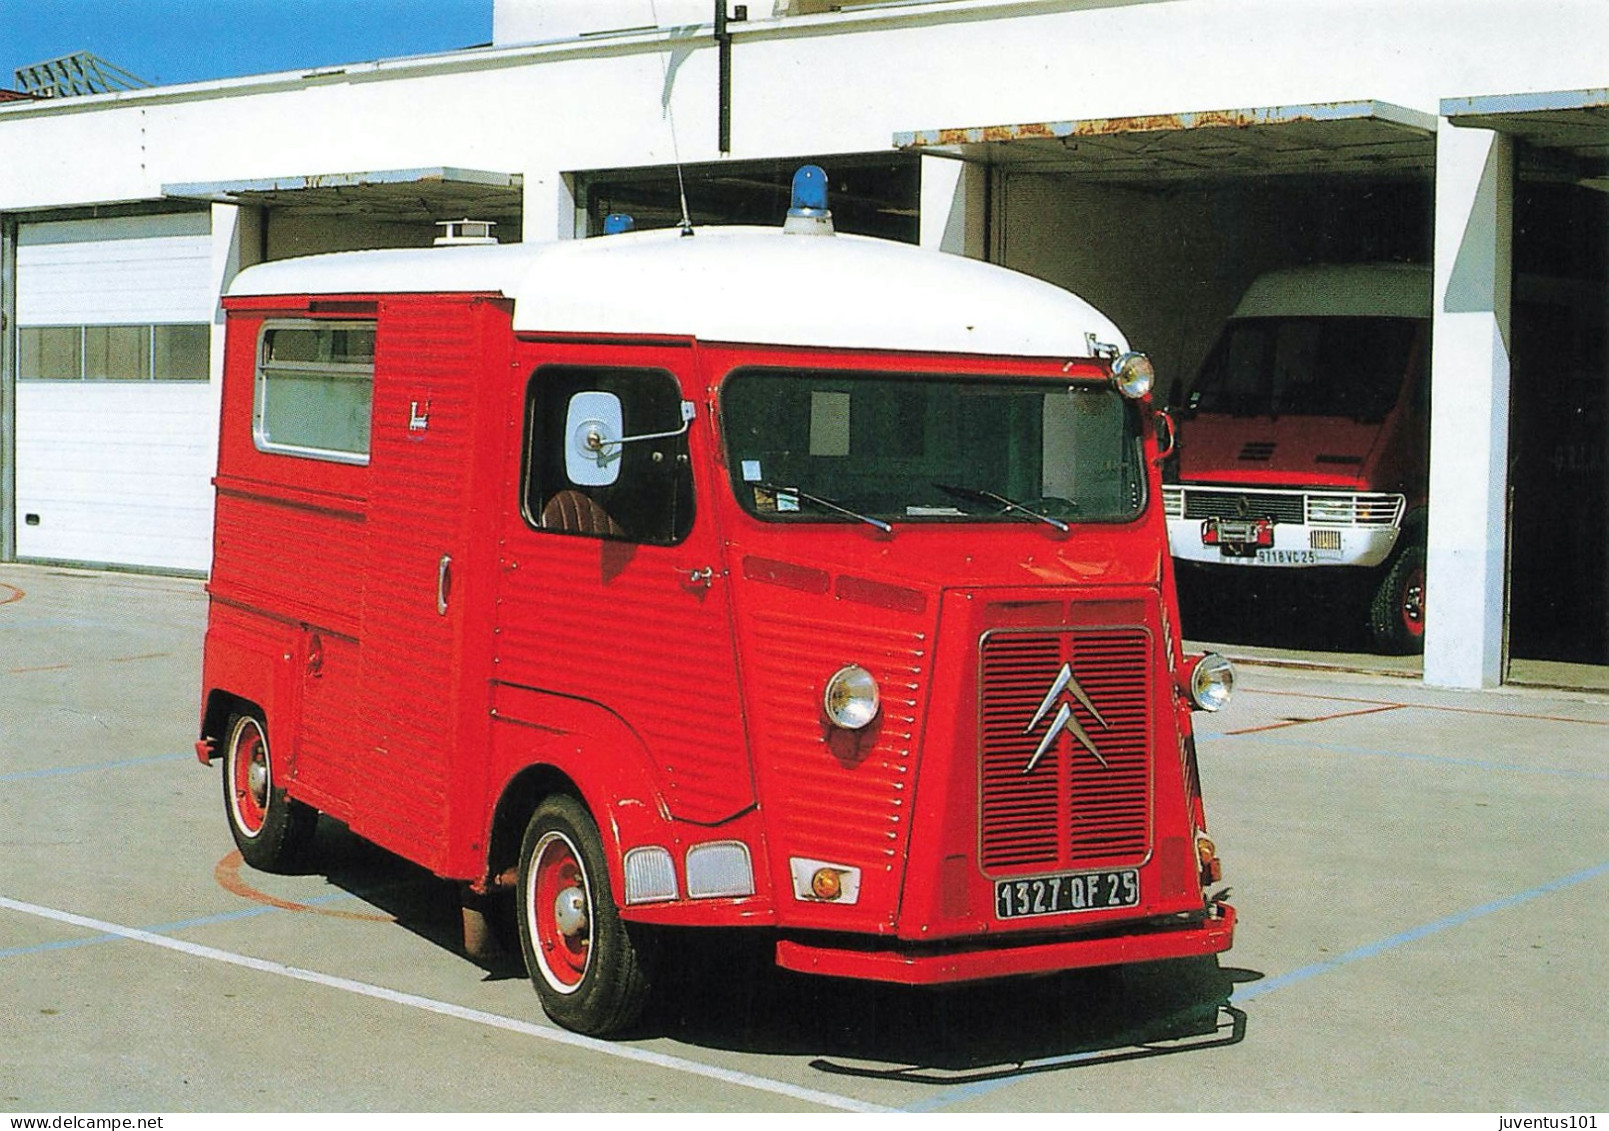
point(1397, 613)
point(591, 972)
point(271, 830)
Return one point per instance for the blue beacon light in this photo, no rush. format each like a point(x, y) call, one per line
point(617, 222)
point(808, 214)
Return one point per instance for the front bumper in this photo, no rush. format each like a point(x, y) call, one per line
point(931, 966)
point(1296, 546)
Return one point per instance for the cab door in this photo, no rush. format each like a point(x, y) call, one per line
point(613, 588)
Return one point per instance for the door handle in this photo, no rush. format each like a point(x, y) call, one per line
point(444, 583)
point(701, 578)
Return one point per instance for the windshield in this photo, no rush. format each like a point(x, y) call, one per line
point(811, 445)
point(1348, 367)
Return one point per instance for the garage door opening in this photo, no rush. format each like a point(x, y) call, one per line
point(1164, 222)
point(1559, 424)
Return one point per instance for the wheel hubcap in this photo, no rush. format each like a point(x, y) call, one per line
point(561, 913)
point(249, 769)
point(1413, 603)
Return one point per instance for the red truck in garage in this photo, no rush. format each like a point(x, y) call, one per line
point(1304, 438)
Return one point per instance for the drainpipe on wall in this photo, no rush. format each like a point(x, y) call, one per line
point(8, 388)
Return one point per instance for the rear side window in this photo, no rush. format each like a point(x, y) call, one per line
point(315, 389)
point(638, 487)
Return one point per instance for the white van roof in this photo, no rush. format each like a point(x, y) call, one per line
point(750, 285)
point(1388, 290)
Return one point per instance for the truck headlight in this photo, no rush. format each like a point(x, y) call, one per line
point(1133, 374)
point(851, 699)
point(1212, 682)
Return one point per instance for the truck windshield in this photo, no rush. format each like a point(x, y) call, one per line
point(1347, 367)
point(831, 446)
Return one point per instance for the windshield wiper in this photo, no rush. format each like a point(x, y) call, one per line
point(828, 503)
point(977, 495)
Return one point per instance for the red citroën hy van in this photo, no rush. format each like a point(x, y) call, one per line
point(725, 578)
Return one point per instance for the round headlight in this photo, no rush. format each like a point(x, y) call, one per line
point(1212, 682)
point(851, 699)
point(1133, 374)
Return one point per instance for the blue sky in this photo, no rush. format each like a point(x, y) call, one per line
point(176, 41)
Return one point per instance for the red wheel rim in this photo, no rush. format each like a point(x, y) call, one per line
point(560, 909)
point(1412, 604)
point(249, 777)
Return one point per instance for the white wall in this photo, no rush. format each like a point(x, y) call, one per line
point(814, 84)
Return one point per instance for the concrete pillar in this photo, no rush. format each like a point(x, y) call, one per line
point(954, 206)
point(550, 211)
point(1468, 538)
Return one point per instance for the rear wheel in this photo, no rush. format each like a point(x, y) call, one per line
point(591, 972)
point(271, 830)
point(1397, 613)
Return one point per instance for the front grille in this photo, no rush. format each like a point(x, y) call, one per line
point(1335, 508)
point(1279, 506)
point(1069, 811)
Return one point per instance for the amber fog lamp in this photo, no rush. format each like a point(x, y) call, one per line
point(1212, 682)
point(827, 883)
point(1133, 374)
point(851, 699)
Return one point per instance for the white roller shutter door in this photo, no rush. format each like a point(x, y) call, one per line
point(116, 471)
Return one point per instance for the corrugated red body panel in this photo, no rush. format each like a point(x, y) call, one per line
point(423, 670)
point(835, 796)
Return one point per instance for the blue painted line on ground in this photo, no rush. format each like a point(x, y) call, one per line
point(125, 763)
point(1409, 756)
point(1252, 991)
point(1256, 990)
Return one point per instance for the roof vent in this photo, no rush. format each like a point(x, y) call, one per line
point(459, 233)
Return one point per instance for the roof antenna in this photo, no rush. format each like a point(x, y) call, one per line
point(665, 69)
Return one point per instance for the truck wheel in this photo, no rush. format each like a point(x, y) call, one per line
point(1397, 614)
point(271, 830)
point(590, 971)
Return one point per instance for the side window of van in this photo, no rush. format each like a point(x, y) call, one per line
point(606, 454)
point(314, 389)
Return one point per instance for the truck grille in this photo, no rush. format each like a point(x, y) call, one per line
point(1281, 507)
point(1070, 810)
point(1325, 508)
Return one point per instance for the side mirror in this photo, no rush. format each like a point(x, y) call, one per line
point(593, 424)
point(592, 427)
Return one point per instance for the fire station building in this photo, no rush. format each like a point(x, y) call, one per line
point(1154, 156)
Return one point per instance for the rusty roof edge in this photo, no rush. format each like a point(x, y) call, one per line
point(227, 191)
point(1400, 116)
point(1535, 102)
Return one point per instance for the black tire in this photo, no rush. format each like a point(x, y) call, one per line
point(1397, 612)
point(592, 971)
point(271, 830)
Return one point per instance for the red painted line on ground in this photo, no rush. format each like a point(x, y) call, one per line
point(10, 593)
point(45, 668)
point(227, 873)
point(1434, 707)
point(1320, 719)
